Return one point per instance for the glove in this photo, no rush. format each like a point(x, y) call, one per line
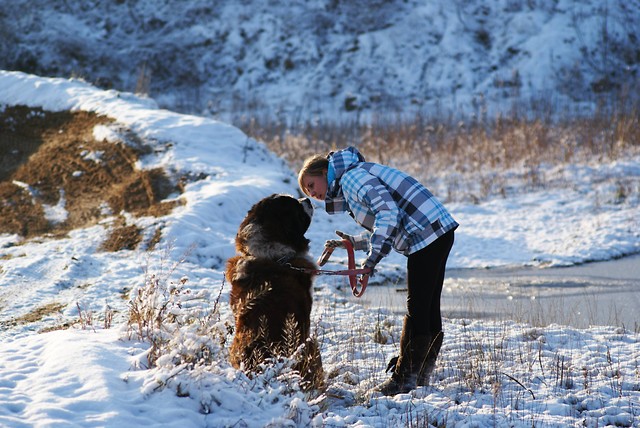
point(337, 243)
point(358, 243)
point(366, 265)
point(332, 244)
point(329, 246)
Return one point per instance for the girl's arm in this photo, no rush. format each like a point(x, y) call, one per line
point(374, 208)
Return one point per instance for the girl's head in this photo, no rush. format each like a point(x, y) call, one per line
point(312, 178)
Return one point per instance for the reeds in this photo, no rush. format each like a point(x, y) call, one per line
point(469, 160)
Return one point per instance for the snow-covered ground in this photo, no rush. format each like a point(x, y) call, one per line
point(490, 373)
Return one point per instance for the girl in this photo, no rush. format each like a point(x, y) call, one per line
point(400, 213)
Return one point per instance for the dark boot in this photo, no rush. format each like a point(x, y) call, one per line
point(407, 367)
point(433, 349)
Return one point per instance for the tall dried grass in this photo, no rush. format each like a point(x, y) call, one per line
point(469, 157)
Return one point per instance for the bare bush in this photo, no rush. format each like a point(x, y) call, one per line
point(182, 327)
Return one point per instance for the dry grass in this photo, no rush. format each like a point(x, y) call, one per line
point(39, 313)
point(469, 157)
point(493, 362)
point(53, 158)
point(169, 316)
point(122, 236)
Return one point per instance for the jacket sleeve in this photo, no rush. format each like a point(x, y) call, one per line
point(361, 241)
point(374, 208)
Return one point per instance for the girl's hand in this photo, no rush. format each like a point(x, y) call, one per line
point(368, 269)
point(346, 237)
point(331, 245)
point(357, 242)
point(337, 243)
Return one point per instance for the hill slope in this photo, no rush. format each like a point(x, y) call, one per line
point(334, 58)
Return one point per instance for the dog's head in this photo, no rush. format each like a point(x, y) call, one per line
point(274, 228)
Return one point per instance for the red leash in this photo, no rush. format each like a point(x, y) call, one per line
point(352, 272)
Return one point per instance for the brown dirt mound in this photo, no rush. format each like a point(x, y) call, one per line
point(122, 236)
point(46, 156)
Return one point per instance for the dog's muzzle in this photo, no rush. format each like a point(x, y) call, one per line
point(308, 207)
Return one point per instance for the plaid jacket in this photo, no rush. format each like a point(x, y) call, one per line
point(396, 209)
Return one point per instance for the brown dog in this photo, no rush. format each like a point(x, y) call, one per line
point(271, 280)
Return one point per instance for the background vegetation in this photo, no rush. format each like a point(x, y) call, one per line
point(472, 159)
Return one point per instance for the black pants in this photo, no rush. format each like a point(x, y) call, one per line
point(425, 276)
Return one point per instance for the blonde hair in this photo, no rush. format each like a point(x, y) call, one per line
point(313, 166)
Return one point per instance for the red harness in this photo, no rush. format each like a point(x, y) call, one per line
point(352, 272)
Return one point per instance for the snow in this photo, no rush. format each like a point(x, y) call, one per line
point(304, 58)
point(490, 373)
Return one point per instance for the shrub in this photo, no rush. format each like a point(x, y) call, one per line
point(182, 327)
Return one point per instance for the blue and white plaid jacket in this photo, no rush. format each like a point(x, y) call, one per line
point(396, 209)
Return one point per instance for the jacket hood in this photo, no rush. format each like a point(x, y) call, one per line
point(342, 161)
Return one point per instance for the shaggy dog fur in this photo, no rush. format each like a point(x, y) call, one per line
point(271, 288)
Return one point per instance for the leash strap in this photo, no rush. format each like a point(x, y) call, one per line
point(352, 272)
point(353, 278)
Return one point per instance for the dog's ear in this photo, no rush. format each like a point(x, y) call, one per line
point(300, 222)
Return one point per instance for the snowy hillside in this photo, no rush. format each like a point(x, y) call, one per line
point(338, 59)
point(69, 358)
